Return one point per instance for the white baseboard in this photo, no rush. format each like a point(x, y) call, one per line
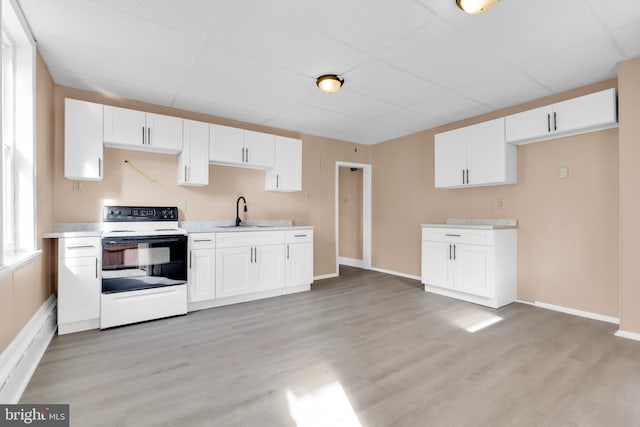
point(325, 276)
point(396, 273)
point(628, 335)
point(575, 312)
point(20, 359)
point(351, 262)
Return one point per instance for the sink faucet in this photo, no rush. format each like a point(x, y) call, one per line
point(238, 220)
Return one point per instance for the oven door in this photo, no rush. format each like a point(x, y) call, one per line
point(143, 262)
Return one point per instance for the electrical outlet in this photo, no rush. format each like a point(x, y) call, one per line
point(500, 203)
point(183, 206)
point(563, 171)
point(77, 186)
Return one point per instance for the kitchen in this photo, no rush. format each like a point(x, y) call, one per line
point(577, 220)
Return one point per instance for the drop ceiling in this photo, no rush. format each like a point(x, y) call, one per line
point(408, 65)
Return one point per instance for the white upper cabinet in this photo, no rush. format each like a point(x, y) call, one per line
point(83, 153)
point(238, 147)
point(260, 149)
point(474, 156)
point(287, 173)
point(193, 161)
point(137, 130)
point(571, 117)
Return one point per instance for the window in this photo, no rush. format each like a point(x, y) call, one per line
point(17, 105)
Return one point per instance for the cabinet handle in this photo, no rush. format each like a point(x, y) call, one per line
point(467, 176)
point(202, 240)
point(287, 251)
point(454, 252)
point(555, 121)
point(185, 173)
point(255, 255)
point(251, 257)
point(242, 154)
point(548, 122)
point(463, 177)
point(247, 154)
point(449, 250)
point(190, 262)
point(149, 136)
point(143, 143)
point(277, 181)
point(453, 235)
point(99, 167)
point(96, 268)
point(80, 247)
point(300, 235)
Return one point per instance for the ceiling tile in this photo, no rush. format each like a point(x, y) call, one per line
point(628, 38)
point(616, 14)
point(347, 102)
point(410, 120)
point(442, 55)
point(451, 107)
point(281, 41)
point(389, 84)
point(571, 68)
point(249, 84)
point(521, 89)
point(373, 132)
point(317, 117)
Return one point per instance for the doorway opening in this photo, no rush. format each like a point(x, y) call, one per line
point(353, 215)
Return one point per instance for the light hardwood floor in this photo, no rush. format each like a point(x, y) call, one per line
point(364, 349)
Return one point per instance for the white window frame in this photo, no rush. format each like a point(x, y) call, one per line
point(20, 248)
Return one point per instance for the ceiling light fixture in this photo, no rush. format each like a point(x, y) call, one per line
point(329, 83)
point(476, 6)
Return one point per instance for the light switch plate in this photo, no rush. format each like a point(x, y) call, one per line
point(564, 171)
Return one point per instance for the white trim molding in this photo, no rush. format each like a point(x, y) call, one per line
point(325, 276)
point(396, 273)
point(19, 360)
point(629, 335)
point(351, 262)
point(575, 312)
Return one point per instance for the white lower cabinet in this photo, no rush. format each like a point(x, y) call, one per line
point(299, 258)
point(478, 266)
point(233, 271)
point(202, 263)
point(79, 284)
point(268, 267)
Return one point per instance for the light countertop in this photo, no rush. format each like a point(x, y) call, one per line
point(477, 223)
point(94, 229)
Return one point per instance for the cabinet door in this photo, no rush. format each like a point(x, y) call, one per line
point(83, 140)
point(472, 268)
point(164, 133)
point(529, 125)
point(193, 161)
point(585, 112)
point(201, 275)
point(269, 267)
point(299, 264)
point(485, 152)
point(124, 128)
point(287, 173)
point(449, 158)
point(233, 272)
point(79, 287)
point(437, 269)
point(260, 149)
point(226, 145)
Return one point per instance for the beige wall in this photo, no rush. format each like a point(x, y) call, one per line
point(350, 212)
point(24, 291)
point(313, 206)
point(568, 228)
point(629, 105)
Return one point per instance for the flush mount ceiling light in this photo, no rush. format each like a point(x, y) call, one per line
point(476, 6)
point(329, 83)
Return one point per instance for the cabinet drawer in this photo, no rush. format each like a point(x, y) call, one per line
point(248, 238)
point(298, 236)
point(71, 247)
point(458, 235)
point(202, 241)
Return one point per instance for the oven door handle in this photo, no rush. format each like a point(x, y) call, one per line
point(143, 239)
